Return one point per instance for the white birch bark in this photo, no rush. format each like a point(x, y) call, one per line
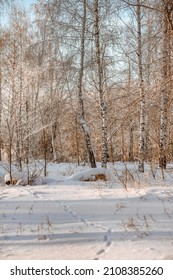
point(82, 120)
point(142, 94)
point(103, 106)
point(131, 141)
point(164, 91)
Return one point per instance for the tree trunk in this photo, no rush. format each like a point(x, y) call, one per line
point(103, 106)
point(142, 95)
point(131, 142)
point(19, 124)
point(164, 90)
point(82, 120)
point(27, 147)
point(53, 141)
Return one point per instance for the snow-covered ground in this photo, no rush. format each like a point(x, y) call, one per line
point(129, 216)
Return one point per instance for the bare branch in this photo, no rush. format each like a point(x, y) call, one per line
point(142, 5)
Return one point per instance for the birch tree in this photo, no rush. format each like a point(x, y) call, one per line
point(82, 119)
point(141, 88)
point(99, 63)
point(167, 7)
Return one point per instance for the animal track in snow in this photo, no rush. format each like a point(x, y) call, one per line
point(106, 239)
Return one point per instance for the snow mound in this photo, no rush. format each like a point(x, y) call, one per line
point(16, 176)
point(21, 179)
point(93, 174)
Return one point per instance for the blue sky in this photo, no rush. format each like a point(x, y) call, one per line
point(27, 3)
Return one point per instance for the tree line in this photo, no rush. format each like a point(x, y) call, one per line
point(87, 81)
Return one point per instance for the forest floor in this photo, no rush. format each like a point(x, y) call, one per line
point(129, 216)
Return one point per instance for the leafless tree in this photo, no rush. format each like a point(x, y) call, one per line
point(142, 93)
point(103, 106)
point(82, 120)
point(167, 9)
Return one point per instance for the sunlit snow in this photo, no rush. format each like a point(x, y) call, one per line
point(128, 216)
